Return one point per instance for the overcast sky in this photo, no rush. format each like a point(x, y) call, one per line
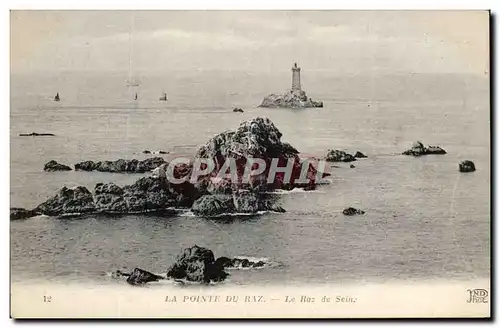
point(341, 41)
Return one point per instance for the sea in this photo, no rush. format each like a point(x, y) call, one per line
point(424, 220)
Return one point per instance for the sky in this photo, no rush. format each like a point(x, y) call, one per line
point(346, 42)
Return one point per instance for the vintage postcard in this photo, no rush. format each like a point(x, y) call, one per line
point(250, 164)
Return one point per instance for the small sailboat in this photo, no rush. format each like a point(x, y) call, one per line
point(164, 97)
point(135, 96)
point(56, 98)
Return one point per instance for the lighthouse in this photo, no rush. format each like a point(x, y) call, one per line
point(296, 78)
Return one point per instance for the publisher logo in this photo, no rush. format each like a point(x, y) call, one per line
point(477, 295)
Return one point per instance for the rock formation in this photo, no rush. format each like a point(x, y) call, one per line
point(52, 166)
point(360, 155)
point(194, 264)
point(197, 264)
point(141, 277)
point(76, 200)
point(295, 98)
point(161, 152)
point(256, 139)
point(291, 99)
point(339, 156)
point(466, 166)
point(352, 211)
point(34, 134)
point(18, 213)
point(237, 263)
point(238, 202)
point(209, 194)
point(121, 165)
point(418, 149)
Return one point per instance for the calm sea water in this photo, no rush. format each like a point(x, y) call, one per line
point(424, 219)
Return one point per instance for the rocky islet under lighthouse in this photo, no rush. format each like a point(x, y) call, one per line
point(294, 98)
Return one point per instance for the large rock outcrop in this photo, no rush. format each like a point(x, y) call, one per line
point(290, 99)
point(418, 149)
point(209, 194)
point(121, 165)
point(76, 200)
point(197, 264)
point(259, 139)
point(148, 194)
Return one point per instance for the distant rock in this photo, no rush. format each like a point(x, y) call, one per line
point(121, 165)
point(352, 166)
point(352, 211)
point(339, 156)
point(360, 155)
point(238, 110)
point(34, 134)
point(291, 99)
point(18, 213)
point(155, 152)
point(466, 166)
point(141, 277)
point(418, 149)
point(52, 166)
point(197, 264)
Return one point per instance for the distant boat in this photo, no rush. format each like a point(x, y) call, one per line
point(135, 96)
point(56, 98)
point(164, 97)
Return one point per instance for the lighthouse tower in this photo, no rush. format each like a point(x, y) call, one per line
point(296, 78)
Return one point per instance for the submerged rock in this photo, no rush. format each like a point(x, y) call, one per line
point(291, 99)
point(197, 264)
point(121, 165)
point(141, 277)
point(339, 156)
point(418, 149)
point(52, 166)
point(18, 213)
point(352, 211)
point(466, 166)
